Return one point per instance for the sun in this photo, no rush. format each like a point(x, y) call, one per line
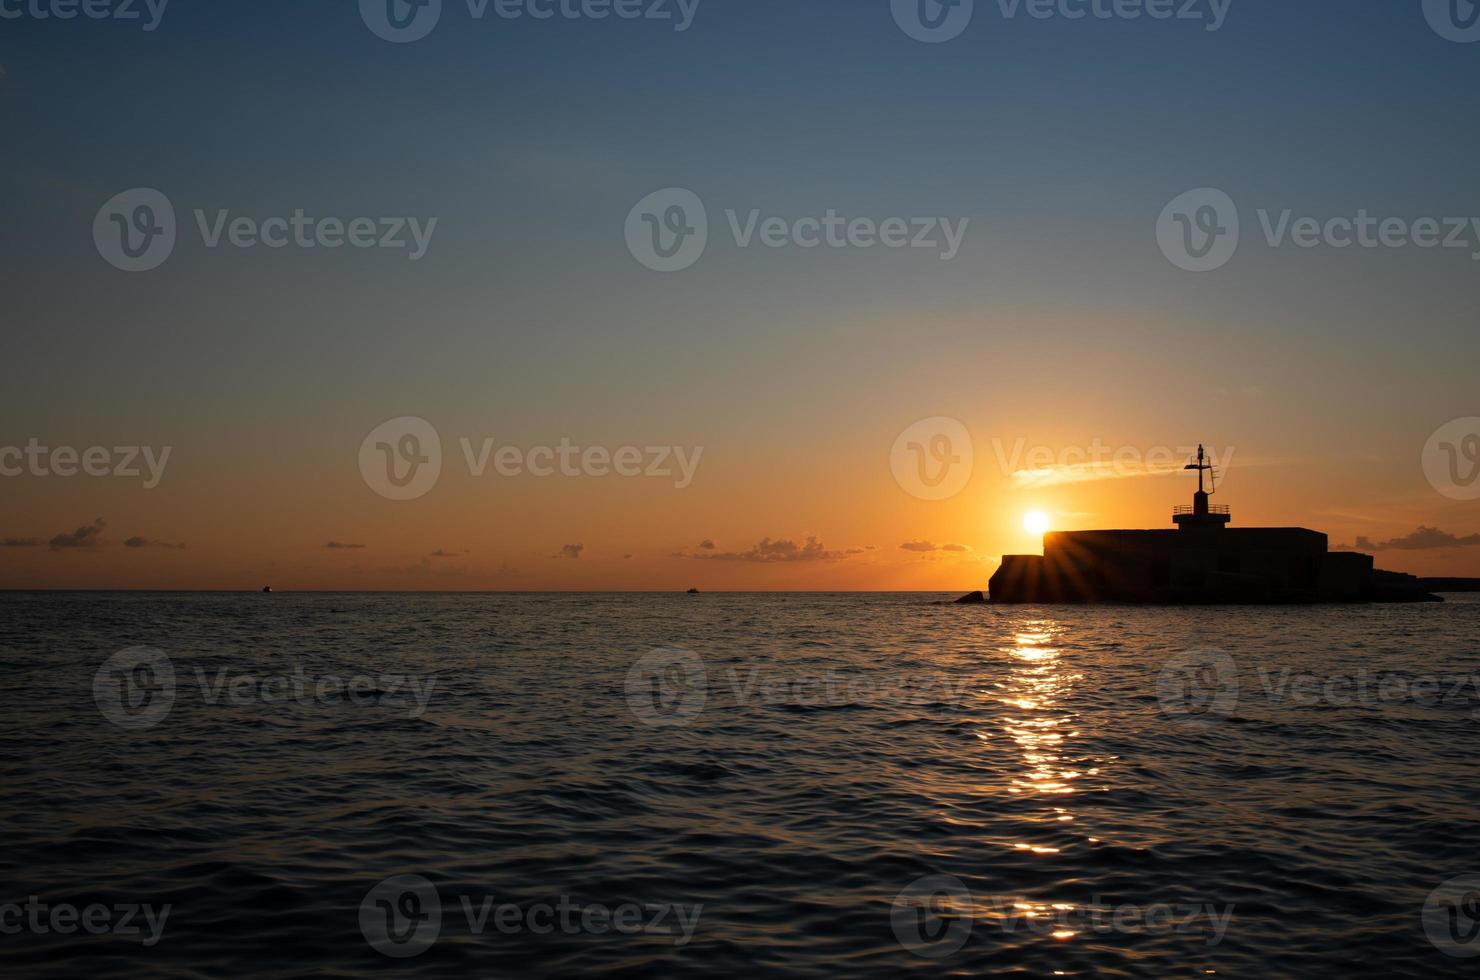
point(1035, 522)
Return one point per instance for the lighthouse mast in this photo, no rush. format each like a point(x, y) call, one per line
point(1200, 515)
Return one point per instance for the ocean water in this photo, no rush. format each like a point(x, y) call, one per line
point(718, 785)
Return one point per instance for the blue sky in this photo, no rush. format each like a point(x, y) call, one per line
point(1059, 140)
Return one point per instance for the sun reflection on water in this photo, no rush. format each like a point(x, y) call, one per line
point(1035, 690)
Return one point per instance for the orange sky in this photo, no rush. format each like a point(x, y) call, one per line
point(837, 502)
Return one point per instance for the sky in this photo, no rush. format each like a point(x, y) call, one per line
point(807, 412)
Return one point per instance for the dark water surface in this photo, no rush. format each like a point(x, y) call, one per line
point(745, 784)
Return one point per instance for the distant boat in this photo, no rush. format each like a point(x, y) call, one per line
point(267, 588)
point(693, 592)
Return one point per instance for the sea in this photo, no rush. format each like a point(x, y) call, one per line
point(721, 785)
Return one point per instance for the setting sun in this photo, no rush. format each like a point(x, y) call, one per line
point(1035, 522)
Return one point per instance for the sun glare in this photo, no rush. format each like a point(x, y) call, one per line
point(1035, 522)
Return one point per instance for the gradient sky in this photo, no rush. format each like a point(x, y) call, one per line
point(1059, 323)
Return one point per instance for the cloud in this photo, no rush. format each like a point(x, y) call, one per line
point(928, 546)
point(341, 546)
point(783, 550)
point(1051, 476)
point(1124, 463)
point(707, 544)
point(443, 553)
point(1420, 540)
point(87, 536)
point(20, 543)
point(138, 542)
point(571, 551)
